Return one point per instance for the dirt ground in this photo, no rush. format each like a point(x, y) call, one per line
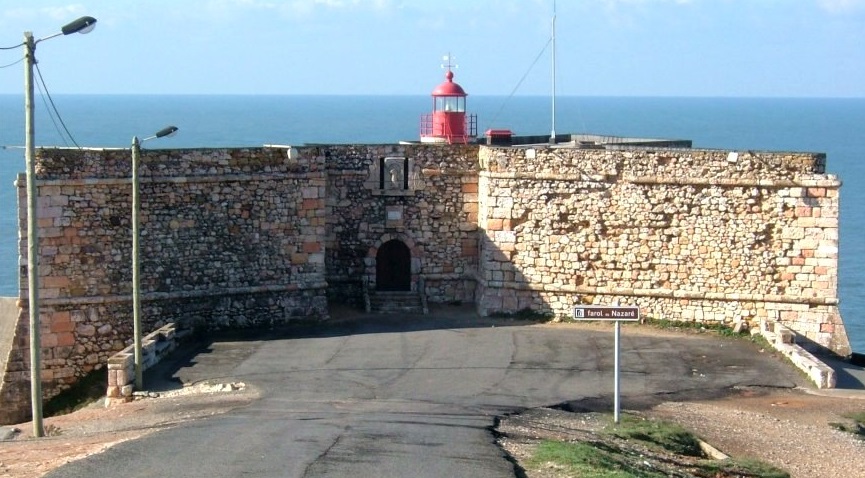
point(788, 428)
point(96, 428)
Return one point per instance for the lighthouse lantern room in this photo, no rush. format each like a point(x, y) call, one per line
point(448, 122)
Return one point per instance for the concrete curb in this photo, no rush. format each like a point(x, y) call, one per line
point(783, 340)
point(121, 366)
point(712, 452)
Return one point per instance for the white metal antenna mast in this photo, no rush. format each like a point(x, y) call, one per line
point(553, 131)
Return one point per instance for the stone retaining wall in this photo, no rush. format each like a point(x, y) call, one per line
point(229, 238)
point(685, 234)
point(121, 366)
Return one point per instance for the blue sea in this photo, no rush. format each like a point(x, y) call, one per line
point(833, 126)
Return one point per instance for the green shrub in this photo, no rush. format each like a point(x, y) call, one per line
point(857, 427)
point(588, 460)
point(666, 435)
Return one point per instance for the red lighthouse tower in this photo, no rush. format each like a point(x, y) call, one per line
point(448, 123)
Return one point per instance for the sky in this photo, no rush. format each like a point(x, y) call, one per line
point(714, 48)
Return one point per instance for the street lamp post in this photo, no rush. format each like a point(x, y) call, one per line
point(81, 25)
point(136, 252)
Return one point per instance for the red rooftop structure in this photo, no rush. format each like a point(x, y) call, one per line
point(448, 122)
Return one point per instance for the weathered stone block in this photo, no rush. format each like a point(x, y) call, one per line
point(65, 339)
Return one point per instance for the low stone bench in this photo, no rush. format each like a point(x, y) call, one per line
point(121, 366)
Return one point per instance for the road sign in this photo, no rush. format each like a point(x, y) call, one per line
point(614, 314)
point(602, 312)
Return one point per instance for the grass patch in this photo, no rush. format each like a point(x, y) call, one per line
point(857, 427)
point(666, 435)
point(744, 468)
point(589, 460)
point(525, 314)
point(718, 328)
point(858, 417)
point(761, 341)
point(84, 392)
point(642, 448)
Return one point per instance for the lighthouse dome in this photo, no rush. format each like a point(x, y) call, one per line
point(449, 88)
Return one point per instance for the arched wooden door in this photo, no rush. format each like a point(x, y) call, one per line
point(393, 266)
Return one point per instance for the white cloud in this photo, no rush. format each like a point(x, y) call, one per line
point(65, 13)
point(62, 13)
point(41, 20)
point(309, 5)
point(841, 6)
point(614, 3)
point(294, 8)
point(617, 8)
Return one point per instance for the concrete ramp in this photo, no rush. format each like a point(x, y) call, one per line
point(8, 323)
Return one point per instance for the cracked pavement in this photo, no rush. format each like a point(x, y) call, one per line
point(414, 396)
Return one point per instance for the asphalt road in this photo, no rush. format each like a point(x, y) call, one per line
point(415, 396)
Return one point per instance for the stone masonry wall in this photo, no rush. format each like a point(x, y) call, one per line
point(685, 234)
point(244, 237)
point(432, 208)
point(229, 238)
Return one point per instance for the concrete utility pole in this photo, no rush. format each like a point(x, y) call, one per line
point(553, 40)
point(136, 280)
point(136, 253)
point(81, 25)
point(32, 241)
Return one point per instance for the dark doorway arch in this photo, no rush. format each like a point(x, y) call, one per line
point(393, 266)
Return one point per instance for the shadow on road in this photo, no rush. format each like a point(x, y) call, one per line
point(344, 322)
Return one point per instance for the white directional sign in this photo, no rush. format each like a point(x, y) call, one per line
point(602, 312)
point(614, 314)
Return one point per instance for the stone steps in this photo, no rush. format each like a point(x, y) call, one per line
point(395, 302)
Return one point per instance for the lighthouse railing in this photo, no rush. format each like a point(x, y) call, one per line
point(470, 129)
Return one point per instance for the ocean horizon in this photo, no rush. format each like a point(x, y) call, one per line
point(827, 125)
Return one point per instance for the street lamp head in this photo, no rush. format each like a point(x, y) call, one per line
point(81, 25)
point(167, 131)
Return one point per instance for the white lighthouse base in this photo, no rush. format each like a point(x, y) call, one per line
point(434, 139)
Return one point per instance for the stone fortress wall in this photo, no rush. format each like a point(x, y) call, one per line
point(262, 236)
point(686, 234)
point(229, 238)
point(430, 204)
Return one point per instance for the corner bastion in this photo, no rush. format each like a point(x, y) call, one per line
point(686, 234)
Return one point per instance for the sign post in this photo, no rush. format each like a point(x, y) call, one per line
point(617, 315)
